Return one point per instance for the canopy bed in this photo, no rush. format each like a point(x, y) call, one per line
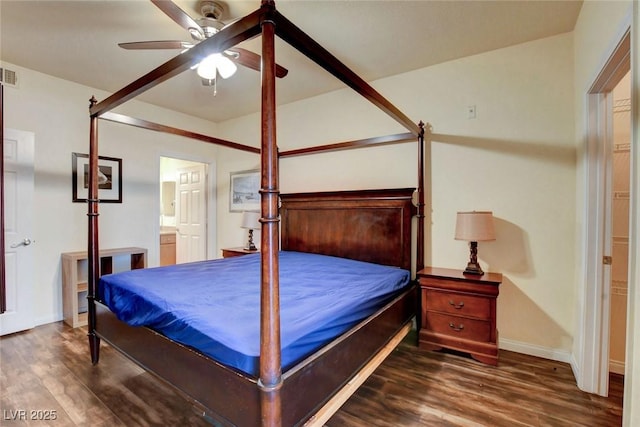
point(274, 386)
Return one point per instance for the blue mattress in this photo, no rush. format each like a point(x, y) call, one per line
point(214, 306)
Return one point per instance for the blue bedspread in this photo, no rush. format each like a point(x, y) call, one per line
point(214, 306)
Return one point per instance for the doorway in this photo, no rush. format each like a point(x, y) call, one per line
point(619, 237)
point(184, 209)
point(599, 234)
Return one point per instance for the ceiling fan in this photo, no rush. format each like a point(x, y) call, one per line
point(219, 64)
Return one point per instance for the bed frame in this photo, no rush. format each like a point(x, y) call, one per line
point(370, 225)
point(232, 398)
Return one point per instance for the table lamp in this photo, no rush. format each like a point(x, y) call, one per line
point(250, 220)
point(474, 227)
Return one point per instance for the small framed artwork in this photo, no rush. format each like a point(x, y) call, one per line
point(244, 191)
point(109, 178)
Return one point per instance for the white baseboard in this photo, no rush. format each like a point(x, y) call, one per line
point(538, 351)
point(48, 319)
point(556, 354)
point(543, 352)
point(616, 367)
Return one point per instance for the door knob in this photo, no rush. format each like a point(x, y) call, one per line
point(25, 242)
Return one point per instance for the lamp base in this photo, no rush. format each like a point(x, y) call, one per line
point(250, 246)
point(473, 269)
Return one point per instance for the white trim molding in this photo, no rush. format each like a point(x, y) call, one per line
point(631, 412)
point(556, 354)
point(592, 332)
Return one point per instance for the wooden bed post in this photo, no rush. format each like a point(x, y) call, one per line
point(270, 381)
point(420, 234)
point(93, 250)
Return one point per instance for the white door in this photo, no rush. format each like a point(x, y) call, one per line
point(18, 223)
point(191, 214)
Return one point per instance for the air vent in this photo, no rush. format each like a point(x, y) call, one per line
point(8, 77)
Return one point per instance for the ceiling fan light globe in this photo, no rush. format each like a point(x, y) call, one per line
point(226, 67)
point(207, 69)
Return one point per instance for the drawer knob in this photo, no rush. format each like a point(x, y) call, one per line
point(456, 328)
point(456, 306)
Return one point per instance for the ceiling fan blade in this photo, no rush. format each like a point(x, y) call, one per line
point(180, 17)
point(252, 60)
point(158, 44)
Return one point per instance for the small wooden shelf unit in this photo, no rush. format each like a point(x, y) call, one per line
point(74, 277)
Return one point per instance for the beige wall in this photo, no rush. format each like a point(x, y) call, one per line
point(516, 158)
point(56, 111)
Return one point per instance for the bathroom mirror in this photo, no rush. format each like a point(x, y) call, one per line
point(168, 202)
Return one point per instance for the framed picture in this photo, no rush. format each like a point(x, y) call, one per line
point(109, 178)
point(244, 191)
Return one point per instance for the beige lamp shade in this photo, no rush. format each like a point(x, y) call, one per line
point(250, 220)
point(476, 226)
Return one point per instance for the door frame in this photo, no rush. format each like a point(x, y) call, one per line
point(211, 198)
point(593, 333)
point(3, 292)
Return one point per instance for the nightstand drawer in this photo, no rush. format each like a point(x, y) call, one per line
point(458, 304)
point(460, 327)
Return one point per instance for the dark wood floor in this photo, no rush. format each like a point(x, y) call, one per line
point(47, 369)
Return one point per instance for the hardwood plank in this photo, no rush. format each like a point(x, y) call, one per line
point(22, 390)
point(449, 389)
point(49, 368)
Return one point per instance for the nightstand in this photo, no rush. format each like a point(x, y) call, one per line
point(458, 311)
point(231, 252)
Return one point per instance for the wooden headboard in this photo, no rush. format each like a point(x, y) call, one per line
point(366, 225)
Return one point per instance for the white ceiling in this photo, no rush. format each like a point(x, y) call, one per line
point(77, 41)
